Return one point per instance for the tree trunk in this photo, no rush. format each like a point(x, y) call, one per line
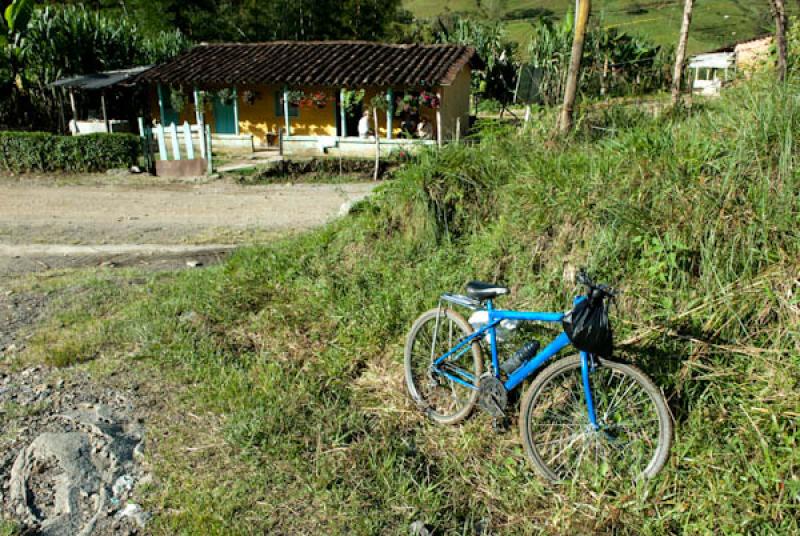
point(779, 13)
point(565, 124)
point(680, 54)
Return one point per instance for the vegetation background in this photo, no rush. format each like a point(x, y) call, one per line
point(284, 409)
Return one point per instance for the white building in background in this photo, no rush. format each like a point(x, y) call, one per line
point(711, 71)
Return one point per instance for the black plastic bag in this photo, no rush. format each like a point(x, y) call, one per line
point(588, 328)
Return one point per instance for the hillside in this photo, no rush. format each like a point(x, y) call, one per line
point(279, 374)
point(715, 22)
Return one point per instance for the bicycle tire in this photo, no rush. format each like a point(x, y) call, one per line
point(415, 361)
point(570, 367)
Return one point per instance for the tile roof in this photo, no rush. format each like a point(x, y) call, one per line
point(325, 63)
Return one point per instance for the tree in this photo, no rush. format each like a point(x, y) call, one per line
point(581, 22)
point(779, 13)
point(496, 80)
point(680, 54)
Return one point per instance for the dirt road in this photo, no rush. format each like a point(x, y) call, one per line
point(147, 221)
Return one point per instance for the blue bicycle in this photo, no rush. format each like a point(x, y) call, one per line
point(582, 417)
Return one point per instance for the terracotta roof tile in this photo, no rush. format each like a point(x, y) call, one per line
point(325, 63)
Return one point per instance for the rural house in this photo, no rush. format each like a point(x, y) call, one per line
point(309, 97)
point(712, 70)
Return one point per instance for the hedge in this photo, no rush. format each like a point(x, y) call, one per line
point(42, 151)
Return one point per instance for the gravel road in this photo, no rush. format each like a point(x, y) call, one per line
point(40, 223)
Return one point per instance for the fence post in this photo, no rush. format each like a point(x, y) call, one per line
point(176, 148)
point(439, 133)
point(187, 140)
point(208, 150)
point(162, 143)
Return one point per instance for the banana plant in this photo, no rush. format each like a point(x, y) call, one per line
point(14, 23)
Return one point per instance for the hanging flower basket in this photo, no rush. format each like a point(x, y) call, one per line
point(429, 100)
point(319, 99)
point(225, 95)
point(352, 98)
point(250, 97)
point(295, 97)
point(177, 100)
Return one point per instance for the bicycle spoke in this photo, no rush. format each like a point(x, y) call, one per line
point(629, 424)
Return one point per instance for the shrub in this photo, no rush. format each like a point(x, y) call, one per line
point(41, 151)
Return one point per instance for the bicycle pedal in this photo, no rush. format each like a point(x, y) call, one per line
point(499, 424)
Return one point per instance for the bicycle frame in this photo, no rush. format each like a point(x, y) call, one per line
point(528, 368)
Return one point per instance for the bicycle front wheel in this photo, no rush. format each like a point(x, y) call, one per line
point(634, 430)
point(444, 399)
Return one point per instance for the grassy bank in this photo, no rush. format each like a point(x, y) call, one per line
point(288, 411)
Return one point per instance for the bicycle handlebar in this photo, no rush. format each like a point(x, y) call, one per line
point(595, 291)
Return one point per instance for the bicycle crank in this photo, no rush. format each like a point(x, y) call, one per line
point(492, 396)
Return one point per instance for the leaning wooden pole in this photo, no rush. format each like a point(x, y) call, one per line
point(566, 120)
point(779, 13)
point(680, 53)
point(377, 145)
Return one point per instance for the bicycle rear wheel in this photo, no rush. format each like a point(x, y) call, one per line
point(635, 426)
point(433, 334)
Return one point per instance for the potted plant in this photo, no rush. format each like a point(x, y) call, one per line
point(177, 99)
point(319, 99)
point(429, 99)
point(295, 97)
point(352, 98)
point(250, 97)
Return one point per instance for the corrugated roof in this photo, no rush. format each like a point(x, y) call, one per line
point(100, 80)
point(324, 63)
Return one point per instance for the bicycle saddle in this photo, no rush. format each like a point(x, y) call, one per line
point(484, 291)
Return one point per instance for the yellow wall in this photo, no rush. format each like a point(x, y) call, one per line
point(455, 104)
point(259, 119)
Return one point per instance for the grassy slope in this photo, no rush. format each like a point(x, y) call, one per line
point(292, 415)
point(658, 20)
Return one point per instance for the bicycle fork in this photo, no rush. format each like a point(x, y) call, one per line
point(587, 367)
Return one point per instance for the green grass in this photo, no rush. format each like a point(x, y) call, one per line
point(282, 368)
point(8, 528)
point(659, 21)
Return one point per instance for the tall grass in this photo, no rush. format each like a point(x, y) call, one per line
point(295, 347)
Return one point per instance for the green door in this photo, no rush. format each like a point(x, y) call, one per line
point(224, 117)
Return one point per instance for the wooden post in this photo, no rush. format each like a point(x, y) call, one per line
point(280, 141)
point(198, 108)
point(199, 115)
point(680, 54)
point(187, 140)
point(377, 145)
point(779, 13)
point(458, 129)
point(161, 103)
point(146, 147)
point(105, 112)
point(389, 114)
point(74, 108)
point(176, 148)
point(439, 121)
point(287, 123)
point(236, 109)
point(208, 150)
point(162, 143)
point(342, 112)
point(573, 74)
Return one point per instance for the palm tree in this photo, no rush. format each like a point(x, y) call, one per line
point(680, 54)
